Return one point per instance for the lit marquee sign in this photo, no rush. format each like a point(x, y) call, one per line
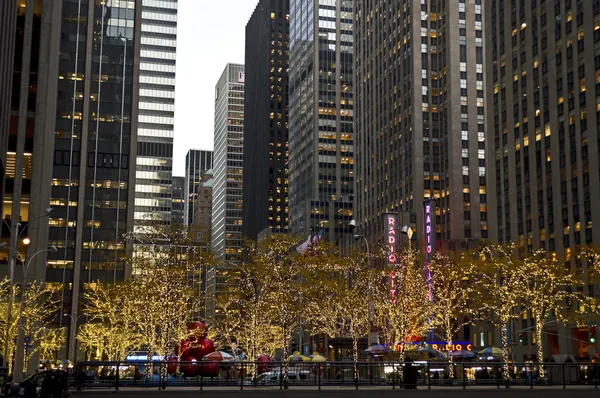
point(442, 345)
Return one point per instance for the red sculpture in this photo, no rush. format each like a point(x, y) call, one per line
point(264, 363)
point(192, 350)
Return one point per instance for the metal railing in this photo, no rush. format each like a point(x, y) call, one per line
point(163, 375)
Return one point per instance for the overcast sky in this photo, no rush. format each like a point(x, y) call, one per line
point(210, 34)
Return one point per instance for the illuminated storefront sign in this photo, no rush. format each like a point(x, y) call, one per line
point(442, 345)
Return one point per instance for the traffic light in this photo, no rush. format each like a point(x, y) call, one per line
point(592, 334)
point(521, 338)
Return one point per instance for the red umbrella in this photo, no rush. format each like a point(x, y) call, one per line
point(218, 356)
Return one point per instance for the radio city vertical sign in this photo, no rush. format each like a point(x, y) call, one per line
point(389, 235)
point(428, 238)
point(391, 244)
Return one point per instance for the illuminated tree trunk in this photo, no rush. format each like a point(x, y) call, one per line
point(355, 356)
point(401, 357)
point(503, 325)
point(286, 350)
point(449, 343)
point(539, 325)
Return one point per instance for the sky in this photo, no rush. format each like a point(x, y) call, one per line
point(210, 34)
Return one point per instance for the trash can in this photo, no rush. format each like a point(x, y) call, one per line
point(410, 376)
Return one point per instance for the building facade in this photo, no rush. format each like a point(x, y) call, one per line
point(197, 162)
point(73, 142)
point(543, 72)
point(321, 109)
point(154, 162)
point(178, 204)
point(420, 117)
point(226, 238)
point(8, 19)
point(203, 211)
point(266, 118)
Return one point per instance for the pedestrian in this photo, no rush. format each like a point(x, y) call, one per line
point(57, 387)
point(47, 387)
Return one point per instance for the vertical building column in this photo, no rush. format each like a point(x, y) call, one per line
point(45, 118)
point(77, 263)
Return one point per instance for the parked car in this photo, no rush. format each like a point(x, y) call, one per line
point(31, 386)
point(274, 377)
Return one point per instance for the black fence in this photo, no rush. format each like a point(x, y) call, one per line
point(243, 375)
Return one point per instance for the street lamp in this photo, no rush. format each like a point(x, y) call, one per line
point(20, 355)
point(74, 323)
point(15, 235)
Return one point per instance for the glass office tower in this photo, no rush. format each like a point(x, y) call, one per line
point(321, 146)
point(154, 162)
point(227, 239)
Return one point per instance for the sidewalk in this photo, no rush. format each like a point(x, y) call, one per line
point(350, 392)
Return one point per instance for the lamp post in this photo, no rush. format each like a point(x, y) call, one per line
point(405, 230)
point(19, 352)
point(14, 238)
point(73, 327)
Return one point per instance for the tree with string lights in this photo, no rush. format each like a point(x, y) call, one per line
point(403, 313)
point(282, 274)
point(110, 309)
point(551, 288)
point(41, 301)
point(452, 296)
point(500, 282)
point(339, 304)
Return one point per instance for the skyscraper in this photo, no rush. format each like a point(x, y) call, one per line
point(266, 118)
point(543, 72)
point(227, 239)
point(178, 206)
point(197, 162)
point(321, 147)
point(420, 116)
point(203, 211)
point(154, 162)
point(8, 17)
point(73, 141)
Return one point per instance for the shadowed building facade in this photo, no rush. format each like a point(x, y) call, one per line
point(197, 162)
point(73, 142)
point(543, 75)
point(266, 119)
point(420, 116)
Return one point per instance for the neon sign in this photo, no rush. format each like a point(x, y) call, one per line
point(428, 208)
point(428, 232)
point(390, 242)
point(442, 345)
point(455, 347)
point(390, 237)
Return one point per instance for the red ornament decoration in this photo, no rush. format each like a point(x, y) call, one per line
point(264, 364)
point(171, 365)
point(193, 349)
